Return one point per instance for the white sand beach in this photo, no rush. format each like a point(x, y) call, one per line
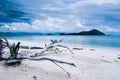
point(93, 63)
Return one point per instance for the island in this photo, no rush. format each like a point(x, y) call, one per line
point(91, 32)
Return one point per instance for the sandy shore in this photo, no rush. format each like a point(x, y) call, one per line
point(93, 63)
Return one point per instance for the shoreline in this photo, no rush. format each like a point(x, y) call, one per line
point(71, 44)
point(93, 63)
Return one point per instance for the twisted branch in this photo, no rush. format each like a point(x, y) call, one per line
point(17, 58)
point(53, 61)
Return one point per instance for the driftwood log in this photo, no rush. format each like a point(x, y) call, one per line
point(2, 46)
point(16, 57)
point(52, 47)
point(27, 47)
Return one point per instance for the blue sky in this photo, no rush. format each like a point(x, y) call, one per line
point(59, 15)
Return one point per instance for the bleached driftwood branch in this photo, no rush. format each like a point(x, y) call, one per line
point(52, 47)
point(2, 46)
point(13, 49)
point(16, 57)
point(27, 47)
point(54, 61)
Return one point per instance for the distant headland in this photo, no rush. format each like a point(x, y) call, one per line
point(91, 32)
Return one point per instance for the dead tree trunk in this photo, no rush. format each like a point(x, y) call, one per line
point(14, 55)
point(2, 46)
point(16, 58)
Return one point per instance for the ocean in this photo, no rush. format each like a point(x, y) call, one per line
point(103, 41)
point(13, 11)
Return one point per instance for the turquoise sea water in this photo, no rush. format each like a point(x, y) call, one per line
point(104, 41)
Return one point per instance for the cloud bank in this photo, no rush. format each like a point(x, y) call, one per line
point(68, 16)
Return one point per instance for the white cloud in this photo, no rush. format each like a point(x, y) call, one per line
point(61, 5)
point(51, 8)
point(5, 28)
point(101, 2)
point(108, 29)
point(51, 24)
point(54, 25)
point(68, 16)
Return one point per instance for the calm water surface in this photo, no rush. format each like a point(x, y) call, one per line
point(105, 41)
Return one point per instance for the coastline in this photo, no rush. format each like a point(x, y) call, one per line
point(69, 44)
point(93, 63)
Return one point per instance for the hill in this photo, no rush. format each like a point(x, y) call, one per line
point(91, 32)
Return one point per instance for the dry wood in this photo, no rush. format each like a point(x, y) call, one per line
point(16, 57)
point(27, 47)
point(52, 47)
point(78, 48)
point(54, 61)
